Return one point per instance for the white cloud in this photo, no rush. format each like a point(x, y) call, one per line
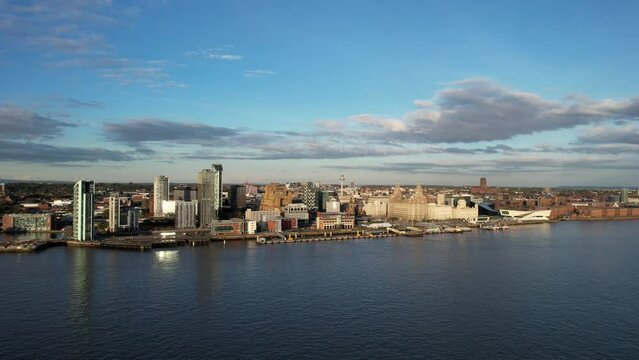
point(214, 54)
point(257, 73)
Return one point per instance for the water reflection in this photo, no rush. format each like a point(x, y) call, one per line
point(81, 289)
point(29, 236)
point(209, 267)
point(166, 257)
point(165, 266)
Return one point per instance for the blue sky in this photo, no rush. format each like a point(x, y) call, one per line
point(538, 93)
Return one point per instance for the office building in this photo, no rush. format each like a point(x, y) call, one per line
point(250, 227)
point(309, 196)
point(160, 193)
point(624, 196)
point(168, 207)
point(184, 194)
point(122, 217)
point(376, 206)
point(237, 197)
point(275, 197)
point(289, 223)
point(3, 190)
point(83, 204)
point(296, 211)
point(228, 227)
point(322, 197)
point(185, 214)
point(326, 221)
point(272, 225)
point(133, 219)
point(413, 208)
point(27, 223)
point(261, 215)
point(209, 193)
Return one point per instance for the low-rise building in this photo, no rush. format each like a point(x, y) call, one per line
point(261, 215)
point(273, 225)
point(296, 211)
point(326, 221)
point(289, 224)
point(250, 227)
point(27, 222)
point(227, 227)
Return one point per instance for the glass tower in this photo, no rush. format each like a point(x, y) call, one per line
point(83, 204)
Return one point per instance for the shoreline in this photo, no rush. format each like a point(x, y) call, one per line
point(140, 244)
point(604, 218)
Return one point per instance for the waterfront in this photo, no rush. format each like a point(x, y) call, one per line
point(539, 291)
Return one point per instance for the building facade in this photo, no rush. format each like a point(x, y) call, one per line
point(114, 214)
point(413, 208)
point(261, 215)
point(27, 223)
point(160, 193)
point(209, 193)
point(227, 227)
point(296, 211)
point(184, 194)
point(275, 197)
point(376, 206)
point(309, 197)
point(185, 214)
point(237, 197)
point(322, 197)
point(83, 204)
point(332, 206)
point(483, 188)
point(326, 221)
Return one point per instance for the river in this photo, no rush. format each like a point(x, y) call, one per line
point(566, 290)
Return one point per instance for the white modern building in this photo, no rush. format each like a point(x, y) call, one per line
point(83, 204)
point(114, 214)
point(533, 215)
point(168, 207)
point(160, 193)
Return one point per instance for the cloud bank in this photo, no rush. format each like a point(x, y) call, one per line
point(475, 110)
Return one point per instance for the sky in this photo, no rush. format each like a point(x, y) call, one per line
point(525, 93)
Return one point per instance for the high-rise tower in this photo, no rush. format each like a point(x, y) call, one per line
point(309, 196)
point(209, 193)
point(83, 203)
point(160, 193)
point(114, 214)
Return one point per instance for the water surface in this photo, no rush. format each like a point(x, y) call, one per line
point(567, 290)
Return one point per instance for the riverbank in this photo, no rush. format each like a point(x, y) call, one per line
point(147, 243)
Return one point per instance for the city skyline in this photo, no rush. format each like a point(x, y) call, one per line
point(531, 94)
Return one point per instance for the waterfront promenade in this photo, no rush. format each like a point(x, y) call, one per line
point(197, 237)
